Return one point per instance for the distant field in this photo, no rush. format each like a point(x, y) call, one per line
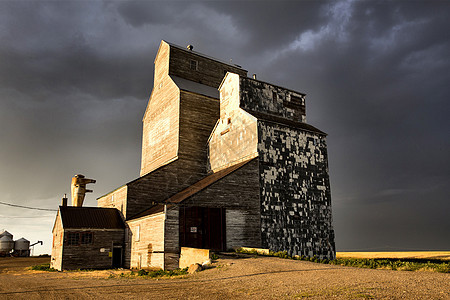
point(445, 255)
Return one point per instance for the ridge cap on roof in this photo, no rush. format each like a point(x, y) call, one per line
point(205, 56)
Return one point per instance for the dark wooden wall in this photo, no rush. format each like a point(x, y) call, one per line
point(89, 256)
point(209, 72)
point(238, 194)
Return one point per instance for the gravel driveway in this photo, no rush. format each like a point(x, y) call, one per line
point(231, 278)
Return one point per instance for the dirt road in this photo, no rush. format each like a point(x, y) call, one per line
point(232, 278)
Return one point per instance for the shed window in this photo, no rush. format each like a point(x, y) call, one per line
point(73, 238)
point(86, 238)
point(80, 238)
point(194, 65)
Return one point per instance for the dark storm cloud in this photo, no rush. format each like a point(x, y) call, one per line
point(64, 58)
point(382, 95)
point(75, 78)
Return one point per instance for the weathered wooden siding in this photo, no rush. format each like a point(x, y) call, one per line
point(238, 193)
point(115, 199)
point(258, 96)
point(147, 246)
point(57, 246)
point(198, 115)
point(160, 126)
point(295, 191)
point(89, 256)
point(209, 72)
point(160, 184)
point(171, 239)
point(234, 138)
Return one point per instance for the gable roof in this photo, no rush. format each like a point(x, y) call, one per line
point(191, 190)
point(90, 217)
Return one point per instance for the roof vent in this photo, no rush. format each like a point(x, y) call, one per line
point(190, 47)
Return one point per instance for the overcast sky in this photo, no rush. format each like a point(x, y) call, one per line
point(75, 78)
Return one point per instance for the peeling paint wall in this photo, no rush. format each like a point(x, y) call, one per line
point(295, 191)
point(258, 96)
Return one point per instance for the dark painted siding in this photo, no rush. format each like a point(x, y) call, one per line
point(295, 191)
point(265, 98)
point(89, 256)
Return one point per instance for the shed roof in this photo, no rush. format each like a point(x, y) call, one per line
point(280, 120)
point(191, 190)
point(90, 217)
point(195, 87)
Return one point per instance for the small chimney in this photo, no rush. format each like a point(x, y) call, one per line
point(190, 47)
point(254, 76)
point(64, 200)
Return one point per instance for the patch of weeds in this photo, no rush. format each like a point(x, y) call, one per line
point(161, 273)
point(43, 267)
point(142, 273)
point(214, 257)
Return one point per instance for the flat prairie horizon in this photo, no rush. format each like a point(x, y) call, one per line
point(444, 255)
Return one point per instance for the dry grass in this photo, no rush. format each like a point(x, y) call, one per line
point(444, 255)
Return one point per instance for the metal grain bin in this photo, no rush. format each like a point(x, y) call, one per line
point(6, 245)
point(22, 247)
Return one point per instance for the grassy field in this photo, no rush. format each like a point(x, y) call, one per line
point(436, 261)
point(441, 255)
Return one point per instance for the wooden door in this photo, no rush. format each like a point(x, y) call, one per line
point(202, 227)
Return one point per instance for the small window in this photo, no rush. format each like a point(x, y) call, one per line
point(194, 65)
point(73, 238)
point(274, 96)
point(86, 238)
point(138, 233)
point(294, 103)
point(296, 100)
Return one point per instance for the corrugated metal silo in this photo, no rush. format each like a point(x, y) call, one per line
point(22, 247)
point(6, 245)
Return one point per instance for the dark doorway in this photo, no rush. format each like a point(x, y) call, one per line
point(117, 257)
point(202, 227)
